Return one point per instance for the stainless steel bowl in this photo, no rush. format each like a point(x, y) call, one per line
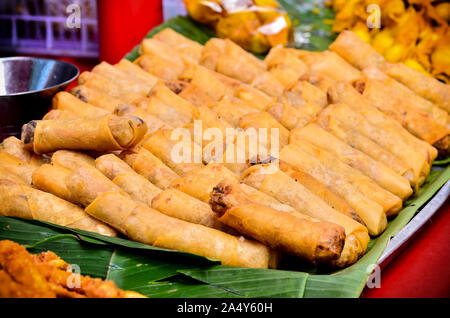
point(27, 86)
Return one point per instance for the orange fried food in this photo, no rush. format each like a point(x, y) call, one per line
point(23, 275)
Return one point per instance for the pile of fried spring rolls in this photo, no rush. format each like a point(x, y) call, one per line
point(356, 135)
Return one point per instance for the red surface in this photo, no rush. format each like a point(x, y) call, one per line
point(123, 24)
point(422, 268)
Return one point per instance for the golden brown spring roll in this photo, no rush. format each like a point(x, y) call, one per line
point(146, 225)
point(316, 242)
point(68, 102)
point(153, 123)
point(160, 66)
point(72, 159)
point(288, 115)
point(267, 121)
point(107, 133)
point(285, 66)
point(390, 203)
point(79, 185)
point(136, 72)
point(196, 95)
point(318, 80)
point(7, 175)
point(355, 51)
point(149, 166)
point(215, 85)
point(375, 170)
point(285, 189)
point(231, 109)
point(406, 142)
point(230, 59)
point(269, 84)
point(17, 167)
point(329, 119)
point(25, 202)
point(179, 155)
point(168, 113)
point(16, 148)
point(407, 95)
point(319, 189)
point(417, 122)
point(132, 84)
point(109, 87)
point(182, 44)
point(165, 94)
point(200, 183)
point(309, 93)
point(369, 211)
point(96, 98)
point(423, 85)
point(253, 97)
point(181, 206)
point(135, 185)
point(332, 65)
point(56, 114)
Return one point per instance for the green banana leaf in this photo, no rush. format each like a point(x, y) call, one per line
point(157, 272)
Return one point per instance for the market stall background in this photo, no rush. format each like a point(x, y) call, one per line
point(421, 270)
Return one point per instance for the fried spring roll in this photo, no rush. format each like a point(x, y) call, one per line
point(288, 115)
point(17, 167)
point(57, 114)
point(375, 170)
point(333, 66)
point(149, 166)
point(196, 95)
point(7, 175)
point(164, 94)
point(318, 80)
point(169, 114)
point(407, 95)
point(96, 98)
point(25, 202)
point(68, 102)
point(316, 242)
point(390, 203)
point(79, 185)
point(135, 185)
point(267, 121)
point(172, 152)
point(16, 148)
point(123, 79)
point(107, 133)
point(232, 109)
point(269, 84)
point(109, 87)
point(319, 189)
point(253, 97)
point(182, 44)
point(153, 123)
point(419, 123)
point(136, 72)
point(200, 183)
point(286, 190)
point(355, 51)
point(423, 85)
point(330, 119)
point(368, 210)
point(181, 206)
point(309, 93)
point(216, 86)
point(345, 93)
point(160, 66)
point(71, 159)
point(149, 226)
point(285, 66)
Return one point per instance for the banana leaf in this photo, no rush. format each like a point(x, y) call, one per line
point(157, 272)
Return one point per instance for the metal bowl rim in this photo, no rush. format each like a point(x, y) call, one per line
point(41, 59)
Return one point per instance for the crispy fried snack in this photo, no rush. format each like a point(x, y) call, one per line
point(23, 275)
